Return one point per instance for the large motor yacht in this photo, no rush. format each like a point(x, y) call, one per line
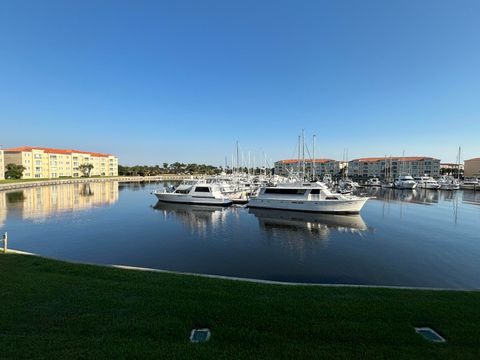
point(405, 182)
point(302, 196)
point(426, 182)
point(194, 192)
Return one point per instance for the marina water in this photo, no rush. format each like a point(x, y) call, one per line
point(418, 238)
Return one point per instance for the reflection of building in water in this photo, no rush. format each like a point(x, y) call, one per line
point(40, 202)
point(198, 218)
point(300, 229)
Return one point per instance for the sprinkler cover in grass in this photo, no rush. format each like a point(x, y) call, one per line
point(199, 335)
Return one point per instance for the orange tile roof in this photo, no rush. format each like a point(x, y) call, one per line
point(55, 151)
point(293, 161)
point(396, 158)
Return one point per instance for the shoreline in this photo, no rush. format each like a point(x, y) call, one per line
point(121, 179)
point(240, 279)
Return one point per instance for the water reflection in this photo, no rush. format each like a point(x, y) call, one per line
point(422, 196)
point(310, 224)
point(39, 203)
point(198, 218)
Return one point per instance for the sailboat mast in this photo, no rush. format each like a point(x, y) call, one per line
point(238, 159)
point(298, 157)
point(313, 161)
point(303, 154)
point(458, 163)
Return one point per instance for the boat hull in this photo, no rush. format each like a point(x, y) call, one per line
point(405, 186)
point(470, 186)
point(450, 187)
point(351, 206)
point(428, 186)
point(189, 199)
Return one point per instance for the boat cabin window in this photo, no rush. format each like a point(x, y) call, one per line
point(178, 191)
point(315, 192)
point(283, 191)
point(331, 198)
point(202, 189)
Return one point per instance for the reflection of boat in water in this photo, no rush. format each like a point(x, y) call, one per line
point(198, 217)
point(309, 221)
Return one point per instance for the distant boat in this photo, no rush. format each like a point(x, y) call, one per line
point(405, 182)
point(194, 192)
point(373, 182)
point(311, 197)
point(448, 183)
point(470, 184)
point(427, 182)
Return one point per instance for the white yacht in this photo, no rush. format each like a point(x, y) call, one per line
point(373, 182)
point(470, 184)
point(301, 196)
point(448, 183)
point(405, 182)
point(194, 192)
point(426, 182)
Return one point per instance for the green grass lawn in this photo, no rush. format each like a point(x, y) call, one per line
point(57, 310)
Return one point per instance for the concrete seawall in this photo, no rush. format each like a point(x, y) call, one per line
point(27, 184)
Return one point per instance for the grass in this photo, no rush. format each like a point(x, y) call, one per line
point(52, 309)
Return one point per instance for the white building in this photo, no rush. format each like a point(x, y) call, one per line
point(322, 167)
point(393, 166)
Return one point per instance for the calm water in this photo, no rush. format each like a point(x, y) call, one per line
point(409, 238)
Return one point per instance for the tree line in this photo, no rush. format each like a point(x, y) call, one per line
point(166, 168)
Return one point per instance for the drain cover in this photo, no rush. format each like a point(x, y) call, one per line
point(199, 335)
point(429, 334)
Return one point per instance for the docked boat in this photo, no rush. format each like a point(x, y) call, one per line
point(448, 183)
point(310, 197)
point(373, 182)
point(194, 192)
point(426, 182)
point(405, 182)
point(388, 185)
point(470, 184)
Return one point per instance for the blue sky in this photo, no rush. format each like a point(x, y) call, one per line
point(163, 81)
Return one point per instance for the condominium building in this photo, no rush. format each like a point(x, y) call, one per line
point(472, 167)
point(42, 162)
point(2, 165)
point(322, 166)
point(393, 166)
